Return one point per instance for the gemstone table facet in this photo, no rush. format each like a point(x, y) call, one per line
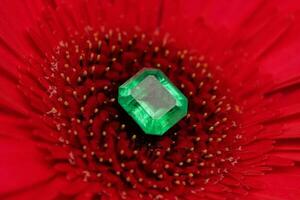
point(153, 97)
point(153, 102)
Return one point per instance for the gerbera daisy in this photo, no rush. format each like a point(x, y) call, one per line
point(64, 134)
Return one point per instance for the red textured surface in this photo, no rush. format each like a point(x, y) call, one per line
point(244, 146)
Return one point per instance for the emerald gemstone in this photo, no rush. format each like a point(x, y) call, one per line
point(153, 102)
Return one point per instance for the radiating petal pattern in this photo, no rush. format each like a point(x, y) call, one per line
point(64, 136)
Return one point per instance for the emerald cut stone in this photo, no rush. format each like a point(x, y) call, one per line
point(153, 102)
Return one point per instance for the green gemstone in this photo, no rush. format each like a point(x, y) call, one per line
point(152, 101)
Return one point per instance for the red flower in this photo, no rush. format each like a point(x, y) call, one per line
point(64, 136)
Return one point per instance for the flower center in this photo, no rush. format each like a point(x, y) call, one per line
point(106, 146)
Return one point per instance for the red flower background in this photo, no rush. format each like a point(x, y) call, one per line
point(63, 135)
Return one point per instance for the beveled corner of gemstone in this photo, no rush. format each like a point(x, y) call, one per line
point(152, 100)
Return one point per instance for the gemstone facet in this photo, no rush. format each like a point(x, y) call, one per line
point(152, 101)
